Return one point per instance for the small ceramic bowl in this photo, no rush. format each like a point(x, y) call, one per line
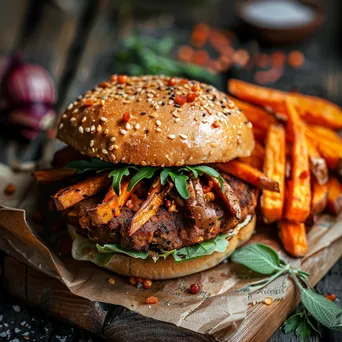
point(283, 35)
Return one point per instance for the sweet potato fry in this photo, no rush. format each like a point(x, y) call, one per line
point(272, 203)
point(334, 196)
point(293, 237)
point(325, 134)
point(71, 195)
point(150, 207)
point(313, 109)
point(319, 197)
point(298, 201)
point(110, 206)
point(259, 134)
point(318, 165)
point(256, 159)
point(227, 196)
point(53, 175)
point(249, 174)
point(258, 116)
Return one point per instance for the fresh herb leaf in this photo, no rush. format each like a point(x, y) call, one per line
point(164, 174)
point(218, 244)
point(115, 248)
point(117, 175)
point(94, 164)
point(292, 322)
point(303, 330)
point(322, 309)
point(259, 257)
point(144, 172)
point(180, 184)
point(208, 171)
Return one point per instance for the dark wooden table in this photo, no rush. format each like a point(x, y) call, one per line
point(75, 40)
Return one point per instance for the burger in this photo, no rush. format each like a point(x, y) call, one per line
point(140, 177)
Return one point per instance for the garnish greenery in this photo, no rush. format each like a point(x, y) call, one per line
point(178, 175)
point(264, 260)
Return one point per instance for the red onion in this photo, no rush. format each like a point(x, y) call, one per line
point(29, 94)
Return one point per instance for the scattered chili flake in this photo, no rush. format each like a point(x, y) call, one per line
point(216, 124)
point(114, 78)
point(268, 301)
point(133, 280)
point(122, 79)
point(172, 81)
point(296, 59)
point(126, 117)
point(104, 84)
point(9, 189)
point(183, 81)
point(196, 87)
point(207, 188)
point(147, 283)
point(180, 99)
point(185, 53)
point(111, 281)
point(330, 296)
point(140, 280)
point(190, 97)
point(88, 102)
point(194, 288)
point(151, 300)
point(201, 57)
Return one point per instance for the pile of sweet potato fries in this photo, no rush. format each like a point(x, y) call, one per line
point(297, 147)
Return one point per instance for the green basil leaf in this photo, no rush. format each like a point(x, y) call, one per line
point(258, 257)
point(94, 164)
point(292, 323)
point(180, 184)
point(117, 175)
point(115, 248)
point(322, 309)
point(144, 172)
point(218, 244)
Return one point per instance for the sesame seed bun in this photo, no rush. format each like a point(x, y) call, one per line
point(168, 268)
point(160, 131)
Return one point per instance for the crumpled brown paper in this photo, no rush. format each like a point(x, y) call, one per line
point(218, 309)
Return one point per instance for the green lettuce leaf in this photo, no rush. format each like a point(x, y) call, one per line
point(94, 164)
point(115, 248)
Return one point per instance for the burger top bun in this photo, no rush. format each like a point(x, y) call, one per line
point(157, 121)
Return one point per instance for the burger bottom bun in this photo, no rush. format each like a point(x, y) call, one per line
point(168, 268)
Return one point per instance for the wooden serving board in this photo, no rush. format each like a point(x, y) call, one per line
point(116, 323)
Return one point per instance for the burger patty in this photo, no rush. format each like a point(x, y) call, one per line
point(167, 230)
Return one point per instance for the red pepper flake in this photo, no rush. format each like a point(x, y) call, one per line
point(126, 117)
point(122, 79)
point(9, 189)
point(183, 81)
point(114, 78)
point(195, 288)
point(180, 99)
point(172, 82)
point(140, 280)
point(196, 87)
point(88, 102)
point(104, 85)
point(147, 283)
point(151, 300)
point(191, 97)
point(216, 124)
point(330, 296)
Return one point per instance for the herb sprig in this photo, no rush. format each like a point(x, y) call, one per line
point(178, 175)
point(264, 260)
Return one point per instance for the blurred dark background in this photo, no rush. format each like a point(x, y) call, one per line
point(82, 42)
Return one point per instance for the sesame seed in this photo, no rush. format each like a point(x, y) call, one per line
point(213, 145)
point(143, 163)
point(112, 139)
point(177, 119)
point(250, 125)
point(113, 156)
point(171, 102)
point(64, 116)
point(123, 131)
point(149, 100)
point(61, 126)
point(111, 147)
point(137, 126)
point(158, 123)
point(183, 136)
point(128, 125)
point(92, 128)
point(70, 106)
point(175, 115)
point(105, 132)
point(171, 136)
point(103, 119)
point(92, 142)
point(87, 129)
point(234, 126)
point(80, 129)
point(99, 128)
point(204, 121)
point(116, 147)
point(84, 119)
point(158, 129)
point(104, 151)
point(72, 119)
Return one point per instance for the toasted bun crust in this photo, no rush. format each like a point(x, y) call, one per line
point(159, 131)
point(168, 268)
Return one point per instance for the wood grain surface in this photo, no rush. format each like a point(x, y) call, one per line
point(76, 41)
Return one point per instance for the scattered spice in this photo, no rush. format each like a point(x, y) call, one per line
point(147, 283)
point(122, 79)
point(140, 280)
point(194, 288)
point(126, 117)
point(330, 296)
point(171, 82)
point(190, 97)
point(268, 301)
point(111, 281)
point(180, 99)
point(196, 87)
point(151, 300)
point(209, 196)
point(88, 102)
point(133, 280)
point(9, 189)
point(216, 124)
point(168, 203)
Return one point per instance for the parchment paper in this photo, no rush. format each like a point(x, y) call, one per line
point(218, 309)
